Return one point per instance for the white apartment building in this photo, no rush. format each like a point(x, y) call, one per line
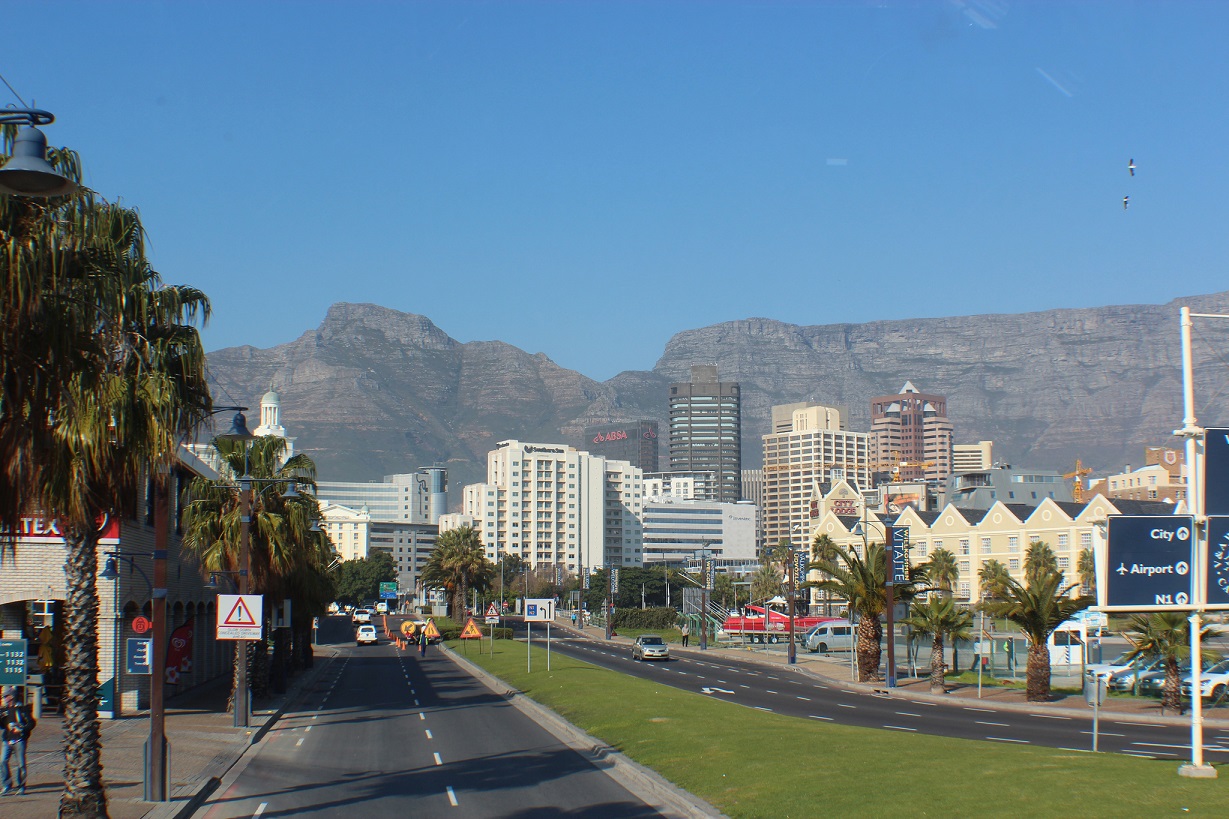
point(557, 506)
point(813, 448)
point(356, 533)
point(675, 530)
point(972, 457)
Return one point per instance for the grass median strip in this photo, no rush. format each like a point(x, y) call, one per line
point(755, 764)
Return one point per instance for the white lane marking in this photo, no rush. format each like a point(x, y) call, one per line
point(308, 728)
point(773, 678)
point(1077, 750)
point(900, 728)
point(315, 716)
point(438, 761)
point(421, 715)
point(452, 797)
point(1141, 756)
point(907, 714)
point(740, 685)
point(804, 699)
point(761, 708)
point(1047, 716)
point(416, 702)
point(1103, 733)
point(723, 682)
point(260, 809)
point(825, 719)
point(982, 710)
point(300, 742)
point(1159, 745)
point(1139, 724)
point(429, 734)
point(927, 704)
point(995, 724)
point(843, 705)
point(770, 692)
point(1008, 739)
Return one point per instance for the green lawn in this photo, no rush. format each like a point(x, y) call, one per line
point(752, 764)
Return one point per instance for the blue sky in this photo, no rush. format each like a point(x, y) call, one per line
point(586, 179)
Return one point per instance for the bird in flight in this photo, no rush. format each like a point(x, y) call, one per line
point(1131, 166)
point(1126, 202)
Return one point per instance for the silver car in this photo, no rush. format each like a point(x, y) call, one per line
point(650, 647)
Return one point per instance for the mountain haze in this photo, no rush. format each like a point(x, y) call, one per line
point(373, 391)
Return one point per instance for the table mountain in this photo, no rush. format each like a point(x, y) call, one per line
point(373, 391)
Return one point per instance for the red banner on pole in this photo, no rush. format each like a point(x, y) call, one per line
point(179, 652)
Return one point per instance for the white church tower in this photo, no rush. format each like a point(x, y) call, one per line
point(270, 421)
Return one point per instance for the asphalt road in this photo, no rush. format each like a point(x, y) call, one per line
point(784, 691)
point(391, 734)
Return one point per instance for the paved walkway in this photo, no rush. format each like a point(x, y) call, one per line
point(204, 745)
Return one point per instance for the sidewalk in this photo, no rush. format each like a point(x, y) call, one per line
point(204, 745)
point(835, 670)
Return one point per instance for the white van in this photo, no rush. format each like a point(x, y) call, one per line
point(382, 607)
point(837, 635)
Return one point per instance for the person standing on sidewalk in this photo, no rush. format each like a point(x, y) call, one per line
point(16, 724)
point(686, 632)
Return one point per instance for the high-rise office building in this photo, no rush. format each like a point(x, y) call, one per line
point(706, 430)
point(810, 451)
point(631, 441)
point(912, 435)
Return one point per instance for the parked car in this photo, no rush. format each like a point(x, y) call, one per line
point(366, 635)
point(1152, 684)
point(1107, 670)
point(361, 616)
point(1124, 680)
point(650, 647)
point(826, 637)
point(1213, 683)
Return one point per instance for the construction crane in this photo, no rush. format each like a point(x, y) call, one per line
point(1077, 488)
point(896, 475)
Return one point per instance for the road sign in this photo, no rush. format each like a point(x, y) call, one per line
point(13, 662)
point(539, 611)
point(898, 556)
point(1149, 559)
point(141, 624)
point(492, 610)
point(1215, 472)
point(408, 628)
point(388, 591)
point(239, 616)
point(471, 632)
point(432, 632)
point(139, 658)
point(1217, 569)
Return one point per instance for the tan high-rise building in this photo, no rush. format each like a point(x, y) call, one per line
point(813, 450)
point(912, 435)
point(972, 457)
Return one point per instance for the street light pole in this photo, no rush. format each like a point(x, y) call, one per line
point(791, 656)
point(155, 746)
point(242, 698)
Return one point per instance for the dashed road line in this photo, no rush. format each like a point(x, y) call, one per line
point(452, 797)
point(438, 761)
point(825, 719)
point(901, 728)
point(1009, 739)
point(429, 734)
point(1048, 716)
point(995, 724)
point(260, 809)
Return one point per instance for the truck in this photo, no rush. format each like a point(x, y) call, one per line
point(749, 625)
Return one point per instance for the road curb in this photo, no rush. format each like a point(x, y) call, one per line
point(661, 794)
point(194, 794)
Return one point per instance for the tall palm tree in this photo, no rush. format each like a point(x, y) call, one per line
point(941, 570)
point(824, 548)
point(938, 616)
point(1165, 635)
point(861, 582)
point(992, 577)
point(287, 559)
point(1087, 569)
point(1039, 561)
point(766, 582)
point(1037, 608)
point(101, 373)
point(458, 563)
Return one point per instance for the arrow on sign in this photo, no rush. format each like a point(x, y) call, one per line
point(239, 615)
point(707, 690)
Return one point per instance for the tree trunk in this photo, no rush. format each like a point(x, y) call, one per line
point(870, 632)
point(1171, 694)
point(1037, 675)
point(937, 685)
point(83, 794)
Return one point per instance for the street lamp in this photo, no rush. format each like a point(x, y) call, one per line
point(27, 172)
point(791, 655)
point(889, 583)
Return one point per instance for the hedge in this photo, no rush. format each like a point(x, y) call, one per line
point(659, 618)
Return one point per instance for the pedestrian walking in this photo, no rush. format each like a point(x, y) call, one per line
point(686, 632)
point(16, 724)
point(573, 619)
point(423, 640)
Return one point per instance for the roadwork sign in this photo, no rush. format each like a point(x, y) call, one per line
point(407, 628)
point(432, 632)
point(471, 632)
point(239, 616)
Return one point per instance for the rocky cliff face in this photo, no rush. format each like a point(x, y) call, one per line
point(374, 391)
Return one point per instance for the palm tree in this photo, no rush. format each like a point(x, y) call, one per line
point(823, 548)
point(1087, 569)
point(101, 373)
point(861, 582)
point(993, 577)
point(1165, 635)
point(286, 558)
point(1037, 608)
point(1039, 561)
point(938, 616)
point(767, 582)
point(941, 570)
point(458, 563)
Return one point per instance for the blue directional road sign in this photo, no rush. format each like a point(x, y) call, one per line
point(140, 656)
point(898, 556)
point(1217, 569)
point(1216, 472)
point(1149, 559)
point(13, 662)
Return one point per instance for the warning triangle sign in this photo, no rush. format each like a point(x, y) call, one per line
point(239, 615)
point(432, 632)
point(471, 632)
point(491, 611)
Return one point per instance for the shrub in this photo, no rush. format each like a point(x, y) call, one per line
point(659, 618)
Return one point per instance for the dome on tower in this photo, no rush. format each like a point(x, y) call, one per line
point(270, 398)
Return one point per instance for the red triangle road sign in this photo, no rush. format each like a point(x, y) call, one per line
point(239, 615)
point(491, 611)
